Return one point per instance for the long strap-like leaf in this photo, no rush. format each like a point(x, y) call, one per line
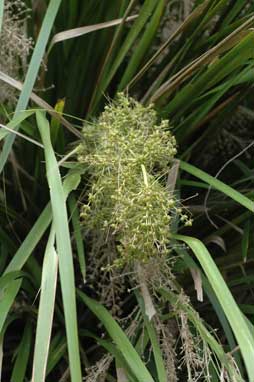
point(218, 185)
point(120, 339)
point(46, 310)
point(63, 241)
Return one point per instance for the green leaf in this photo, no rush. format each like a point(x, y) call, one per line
point(218, 185)
point(77, 32)
point(56, 352)
point(9, 287)
point(119, 337)
point(112, 67)
point(60, 220)
point(235, 58)
point(111, 348)
point(35, 234)
point(143, 45)
point(245, 240)
point(6, 279)
point(73, 207)
point(15, 122)
point(159, 362)
point(2, 334)
point(46, 310)
point(231, 310)
point(6, 303)
point(195, 14)
point(20, 366)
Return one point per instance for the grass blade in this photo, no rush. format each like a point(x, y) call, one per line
point(119, 337)
point(32, 72)
point(46, 311)
point(235, 37)
point(15, 122)
point(246, 240)
point(158, 358)
point(77, 234)
point(77, 32)
point(9, 287)
point(7, 323)
point(231, 310)
point(112, 349)
point(56, 353)
point(112, 67)
point(64, 250)
point(40, 226)
point(143, 45)
point(218, 185)
point(187, 22)
point(20, 366)
point(218, 70)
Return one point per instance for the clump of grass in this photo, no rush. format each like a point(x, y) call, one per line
point(127, 216)
point(129, 154)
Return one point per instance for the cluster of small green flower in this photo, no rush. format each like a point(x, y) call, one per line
point(129, 155)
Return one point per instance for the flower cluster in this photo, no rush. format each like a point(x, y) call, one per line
point(129, 155)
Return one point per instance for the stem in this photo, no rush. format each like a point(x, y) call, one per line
point(144, 175)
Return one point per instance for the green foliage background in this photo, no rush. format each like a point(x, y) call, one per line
point(194, 62)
